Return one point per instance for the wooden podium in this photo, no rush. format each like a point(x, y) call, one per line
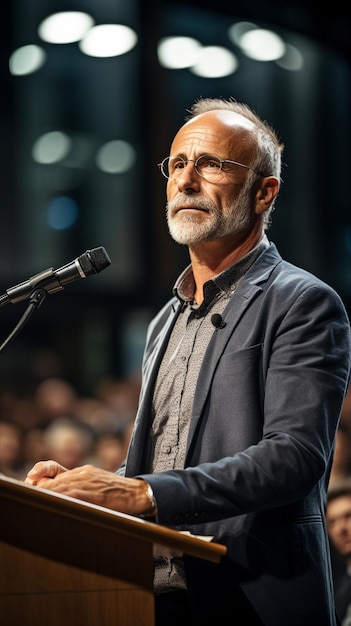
point(64, 562)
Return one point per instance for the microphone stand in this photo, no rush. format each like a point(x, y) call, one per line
point(35, 301)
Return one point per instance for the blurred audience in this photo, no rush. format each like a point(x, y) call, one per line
point(52, 420)
point(97, 415)
point(10, 449)
point(33, 448)
point(338, 518)
point(69, 443)
point(110, 449)
point(338, 514)
point(342, 458)
point(53, 398)
point(122, 396)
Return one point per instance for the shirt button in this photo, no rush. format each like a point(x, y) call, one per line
point(168, 450)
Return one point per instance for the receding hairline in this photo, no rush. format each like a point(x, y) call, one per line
point(205, 105)
point(232, 119)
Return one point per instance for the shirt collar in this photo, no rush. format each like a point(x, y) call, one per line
point(184, 287)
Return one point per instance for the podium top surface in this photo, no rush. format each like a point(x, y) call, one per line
point(12, 490)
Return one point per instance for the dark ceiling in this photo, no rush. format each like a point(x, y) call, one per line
point(326, 22)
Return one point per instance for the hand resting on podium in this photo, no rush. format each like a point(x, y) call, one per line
point(94, 485)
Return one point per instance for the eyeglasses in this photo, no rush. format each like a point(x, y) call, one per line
point(206, 165)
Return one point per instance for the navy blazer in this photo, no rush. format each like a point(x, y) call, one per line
point(260, 447)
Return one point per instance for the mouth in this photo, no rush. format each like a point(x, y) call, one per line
point(189, 208)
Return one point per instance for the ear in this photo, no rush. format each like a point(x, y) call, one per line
point(266, 194)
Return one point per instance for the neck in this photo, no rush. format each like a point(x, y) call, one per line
point(213, 257)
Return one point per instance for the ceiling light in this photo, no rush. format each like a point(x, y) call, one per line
point(65, 27)
point(116, 157)
point(236, 31)
point(292, 59)
point(108, 40)
point(26, 60)
point(262, 45)
point(178, 52)
point(62, 213)
point(215, 62)
point(52, 147)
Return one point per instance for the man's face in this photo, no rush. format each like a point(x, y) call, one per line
point(199, 210)
point(338, 518)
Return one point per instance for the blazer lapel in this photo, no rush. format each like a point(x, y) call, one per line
point(152, 360)
point(242, 297)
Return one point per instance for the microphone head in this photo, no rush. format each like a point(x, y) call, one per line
point(217, 320)
point(94, 261)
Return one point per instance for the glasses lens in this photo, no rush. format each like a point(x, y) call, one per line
point(208, 166)
point(172, 166)
point(164, 167)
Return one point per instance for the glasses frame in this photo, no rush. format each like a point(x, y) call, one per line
point(196, 161)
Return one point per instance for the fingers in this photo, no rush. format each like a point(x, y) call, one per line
point(44, 469)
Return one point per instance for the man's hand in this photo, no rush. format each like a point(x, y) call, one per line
point(92, 484)
point(44, 469)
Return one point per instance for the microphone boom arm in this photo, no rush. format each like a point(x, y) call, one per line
point(36, 300)
point(46, 279)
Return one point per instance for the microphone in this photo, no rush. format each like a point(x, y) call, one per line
point(91, 262)
point(217, 320)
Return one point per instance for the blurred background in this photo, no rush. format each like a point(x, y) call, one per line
point(92, 92)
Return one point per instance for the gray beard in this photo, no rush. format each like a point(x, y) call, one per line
point(185, 228)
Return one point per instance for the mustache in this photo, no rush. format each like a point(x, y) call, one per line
point(183, 201)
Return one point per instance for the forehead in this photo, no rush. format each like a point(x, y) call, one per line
point(216, 132)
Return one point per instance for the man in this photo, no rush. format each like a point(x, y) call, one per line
point(338, 516)
point(244, 375)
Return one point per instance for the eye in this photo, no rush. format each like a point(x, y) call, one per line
point(176, 163)
point(207, 162)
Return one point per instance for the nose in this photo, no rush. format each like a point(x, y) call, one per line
point(189, 181)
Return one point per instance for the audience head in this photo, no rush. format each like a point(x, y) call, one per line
point(338, 516)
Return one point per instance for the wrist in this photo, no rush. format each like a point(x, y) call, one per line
point(151, 512)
